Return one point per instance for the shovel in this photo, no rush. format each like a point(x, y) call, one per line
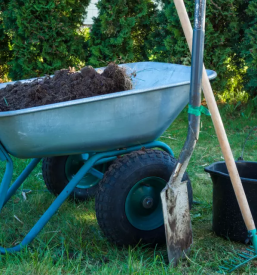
point(174, 196)
point(228, 156)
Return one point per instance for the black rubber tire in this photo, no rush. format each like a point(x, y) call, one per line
point(53, 170)
point(113, 189)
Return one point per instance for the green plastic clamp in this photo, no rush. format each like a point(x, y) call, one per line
point(197, 111)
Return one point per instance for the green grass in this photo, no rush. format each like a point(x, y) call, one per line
point(72, 243)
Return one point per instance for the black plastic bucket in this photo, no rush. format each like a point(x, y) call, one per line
point(227, 220)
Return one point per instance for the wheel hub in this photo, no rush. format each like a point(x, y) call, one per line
point(148, 202)
point(143, 204)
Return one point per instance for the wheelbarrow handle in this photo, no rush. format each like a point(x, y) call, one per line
point(218, 124)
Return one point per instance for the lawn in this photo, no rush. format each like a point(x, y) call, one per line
point(72, 243)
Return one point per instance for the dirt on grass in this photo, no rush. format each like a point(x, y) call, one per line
point(65, 85)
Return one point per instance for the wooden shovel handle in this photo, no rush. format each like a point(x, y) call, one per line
point(218, 125)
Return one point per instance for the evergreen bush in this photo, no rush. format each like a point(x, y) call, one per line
point(249, 45)
point(5, 50)
point(168, 42)
point(45, 35)
point(38, 37)
point(120, 30)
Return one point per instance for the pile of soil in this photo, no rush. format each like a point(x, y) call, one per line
point(65, 85)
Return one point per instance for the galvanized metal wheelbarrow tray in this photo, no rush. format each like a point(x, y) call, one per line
point(107, 126)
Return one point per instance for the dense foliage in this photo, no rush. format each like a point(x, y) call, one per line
point(120, 31)
point(5, 52)
point(230, 44)
point(38, 37)
point(249, 51)
point(44, 35)
point(168, 42)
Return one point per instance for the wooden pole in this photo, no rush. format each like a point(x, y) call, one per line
point(218, 125)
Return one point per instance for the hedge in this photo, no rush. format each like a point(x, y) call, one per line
point(120, 31)
point(38, 37)
point(44, 35)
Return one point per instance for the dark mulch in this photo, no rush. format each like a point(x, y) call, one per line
point(65, 85)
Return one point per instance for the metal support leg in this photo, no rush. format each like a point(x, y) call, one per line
point(21, 179)
point(6, 181)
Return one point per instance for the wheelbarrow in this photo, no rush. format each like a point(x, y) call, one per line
point(118, 130)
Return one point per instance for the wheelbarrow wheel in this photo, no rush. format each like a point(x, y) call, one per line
point(128, 203)
point(58, 171)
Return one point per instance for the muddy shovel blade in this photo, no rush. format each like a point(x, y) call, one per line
point(177, 221)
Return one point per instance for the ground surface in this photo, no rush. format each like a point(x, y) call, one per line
point(72, 242)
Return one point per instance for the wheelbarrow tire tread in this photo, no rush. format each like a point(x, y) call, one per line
point(114, 188)
point(53, 171)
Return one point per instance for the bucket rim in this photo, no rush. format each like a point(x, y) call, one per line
point(209, 169)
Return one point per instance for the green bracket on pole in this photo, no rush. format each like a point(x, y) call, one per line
point(197, 111)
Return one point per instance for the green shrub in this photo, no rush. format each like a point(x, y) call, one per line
point(5, 50)
point(249, 45)
point(38, 37)
point(45, 35)
point(223, 34)
point(120, 30)
point(5, 54)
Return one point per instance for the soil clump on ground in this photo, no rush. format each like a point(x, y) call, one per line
point(65, 85)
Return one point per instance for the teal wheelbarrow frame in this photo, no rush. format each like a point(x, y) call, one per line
point(98, 158)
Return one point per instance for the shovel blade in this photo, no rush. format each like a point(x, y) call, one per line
point(177, 222)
